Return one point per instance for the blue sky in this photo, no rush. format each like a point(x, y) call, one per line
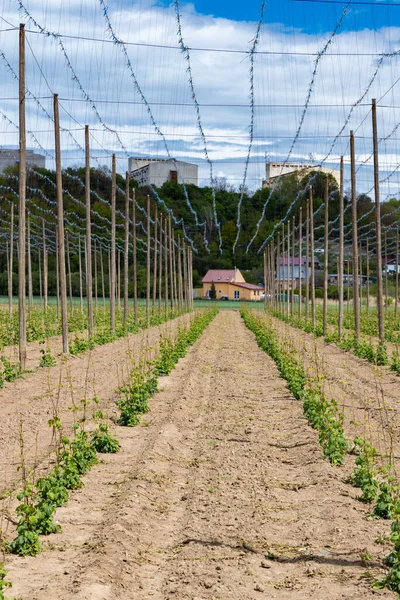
point(310, 17)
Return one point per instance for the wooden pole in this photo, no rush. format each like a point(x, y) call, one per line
point(69, 271)
point(326, 249)
point(312, 259)
point(10, 264)
point(166, 266)
point(300, 259)
point(185, 275)
point(155, 259)
point(278, 277)
point(95, 273)
point(30, 283)
point(360, 274)
point(135, 298)
point(45, 269)
point(265, 279)
point(160, 266)
point(293, 279)
point(57, 273)
point(175, 294)
point(171, 265)
point(180, 289)
point(288, 270)
point(80, 273)
point(341, 249)
point(89, 284)
point(60, 216)
point(379, 300)
point(119, 280)
point(367, 273)
point(126, 249)
point(22, 202)
point(386, 276)
point(356, 305)
point(307, 259)
point(40, 278)
point(113, 257)
point(148, 257)
point(103, 287)
point(396, 296)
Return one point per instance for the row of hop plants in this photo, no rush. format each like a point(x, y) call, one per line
point(143, 383)
point(40, 499)
point(378, 484)
point(363, 348)
point(322, 414)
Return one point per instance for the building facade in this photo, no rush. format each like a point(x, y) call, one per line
point(231, 285)
point(10, 158)
point(273, 170)
point(147, 171)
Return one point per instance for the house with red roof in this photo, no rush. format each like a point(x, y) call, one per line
point(230, 284)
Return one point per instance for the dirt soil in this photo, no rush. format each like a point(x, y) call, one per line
point(27, 404)
point(222, 492)
point(368, 395)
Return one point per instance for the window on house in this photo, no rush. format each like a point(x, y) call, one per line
point(236, 295)
point(173, 175)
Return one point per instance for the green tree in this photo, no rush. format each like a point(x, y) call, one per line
point(213, 291)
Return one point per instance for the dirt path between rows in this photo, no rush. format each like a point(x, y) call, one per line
point(222, 492)
point(368, 395)
point(27, 404)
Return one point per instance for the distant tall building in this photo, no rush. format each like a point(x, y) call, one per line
point(281, 169)
point(148, 171)
point(10, 158)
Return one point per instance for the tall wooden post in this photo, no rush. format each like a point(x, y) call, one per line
point(307, 259)
point(135, 298)
point(360, 274)
point(148, 257)
point(69, 271)
point(103, 286)
point(278, 278)
point(126, 249)
point(386, 275)
point(356, 306)
point(171, 263)
point(300, 259)
point(326, 227)
point(312, 258)
point(30, 283)
point(22, 204)
point(89, 285)
point(180, 289)
point(265, 279)
point(175, 294)
point(95, 273)
point(155, 259)
point(57, 274)
point(113, 257)
point(367, 273)
point(293, 279)
point(341, 249)
point(288, 270)
point(379, 300)
point(396, 293)
point(166, 266)
point(45, 269)
point(185, 277)
point(10, 263)
point(160, 266)
point(80, 273)
point(40, 278)
point(60, 215)
point(119, 280)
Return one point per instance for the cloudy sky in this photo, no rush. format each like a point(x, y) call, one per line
point(98, 82)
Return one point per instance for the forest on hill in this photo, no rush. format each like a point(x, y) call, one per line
point(194, 203)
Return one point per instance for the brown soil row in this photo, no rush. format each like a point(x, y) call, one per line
point(27, 404)
point(222, 492)
point(368, 395)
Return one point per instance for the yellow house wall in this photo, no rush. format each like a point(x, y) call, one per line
point(228, 289)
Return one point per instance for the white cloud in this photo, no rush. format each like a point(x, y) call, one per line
point(281, 86)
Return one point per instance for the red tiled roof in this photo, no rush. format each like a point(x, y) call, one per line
point(219, 275)
point(248, 286)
